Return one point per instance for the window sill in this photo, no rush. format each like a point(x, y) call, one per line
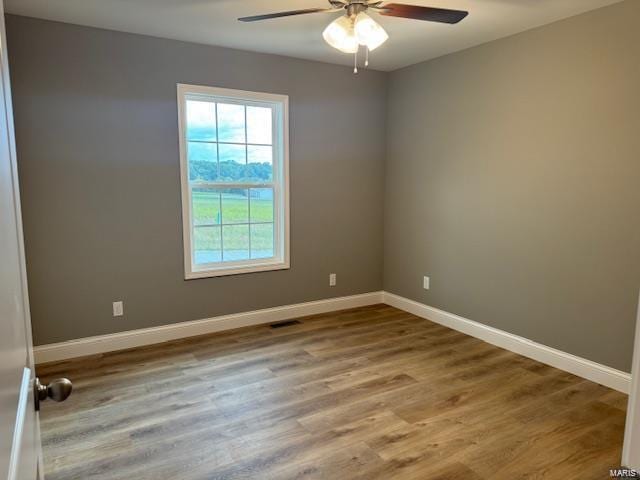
point(236, 270)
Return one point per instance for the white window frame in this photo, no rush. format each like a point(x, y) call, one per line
point(280, 182)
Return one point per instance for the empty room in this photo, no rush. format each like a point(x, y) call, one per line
point(319, 239)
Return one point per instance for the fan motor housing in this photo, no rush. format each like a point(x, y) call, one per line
point(354, 8)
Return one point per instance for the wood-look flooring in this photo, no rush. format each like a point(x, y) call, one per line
point(369, 393)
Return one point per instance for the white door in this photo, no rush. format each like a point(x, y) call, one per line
point(20, 450)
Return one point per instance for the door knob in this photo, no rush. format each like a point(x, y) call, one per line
point(58, 391)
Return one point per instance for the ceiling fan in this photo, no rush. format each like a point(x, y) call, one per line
point(355, 28)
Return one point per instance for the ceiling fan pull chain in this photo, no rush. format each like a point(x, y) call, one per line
point(355, 62)
point(366, 58)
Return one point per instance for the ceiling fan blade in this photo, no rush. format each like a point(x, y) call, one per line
point(267, 16)
point(430, 14)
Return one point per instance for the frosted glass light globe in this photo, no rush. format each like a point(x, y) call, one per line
point(369, 32)
point(340, 34)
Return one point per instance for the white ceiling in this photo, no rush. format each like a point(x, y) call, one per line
point(214, 22)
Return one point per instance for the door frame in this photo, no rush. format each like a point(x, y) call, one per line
point(631, 446)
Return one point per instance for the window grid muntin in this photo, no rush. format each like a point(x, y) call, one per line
point(251, 144)
point(246, 170)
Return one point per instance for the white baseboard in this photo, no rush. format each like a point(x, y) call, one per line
point(148, 336)
point(581, 367)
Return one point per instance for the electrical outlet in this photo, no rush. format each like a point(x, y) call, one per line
point(332, 279)
point(118, 309)
point(426, 283)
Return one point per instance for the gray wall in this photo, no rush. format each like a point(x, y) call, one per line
point(512, 179)
point(96, 125)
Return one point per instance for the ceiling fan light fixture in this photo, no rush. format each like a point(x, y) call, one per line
point(357, 28)
point(341, 35)
point(369, 32)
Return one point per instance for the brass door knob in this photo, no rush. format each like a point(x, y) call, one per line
point(58, 391)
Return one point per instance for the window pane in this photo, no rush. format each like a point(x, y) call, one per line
point(205, 207)
point(259, 125)
point(260, 166)
point(261, 205)
point(233, 161)
point(231, 123)
point(235, 240)
point(235, 206)
point(201, 120)
point(206, 245)
point(203, 161)
point(262, 241)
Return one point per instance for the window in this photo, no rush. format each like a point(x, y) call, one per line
point(234, 167)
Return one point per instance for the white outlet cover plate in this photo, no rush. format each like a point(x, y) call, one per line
point(118, 309)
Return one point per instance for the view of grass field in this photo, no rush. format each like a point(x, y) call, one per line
point(232, 224)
